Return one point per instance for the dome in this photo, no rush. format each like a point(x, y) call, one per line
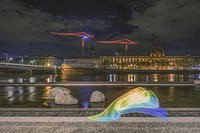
point(157, 51)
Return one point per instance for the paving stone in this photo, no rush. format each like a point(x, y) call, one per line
point(86, 113)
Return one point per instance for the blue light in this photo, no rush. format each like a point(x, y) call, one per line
point(85, 37)
point(85, 104)
point(110, 77)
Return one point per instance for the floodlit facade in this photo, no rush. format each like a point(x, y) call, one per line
point(156, 60)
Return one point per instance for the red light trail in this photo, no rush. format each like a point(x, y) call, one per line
point(122, 41)
point(79, 34)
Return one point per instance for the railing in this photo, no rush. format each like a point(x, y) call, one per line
point(99, 83)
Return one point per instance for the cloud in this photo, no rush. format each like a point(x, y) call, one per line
point(28, 24)
point(173, 23)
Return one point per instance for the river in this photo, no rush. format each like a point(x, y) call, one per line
point(37, 97)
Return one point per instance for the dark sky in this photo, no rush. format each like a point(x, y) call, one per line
point(26, 25)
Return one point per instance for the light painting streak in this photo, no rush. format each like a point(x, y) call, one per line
point(138, 100)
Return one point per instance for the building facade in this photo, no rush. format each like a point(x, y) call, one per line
point(156, 60)
point(81, 62)
point(46, 61)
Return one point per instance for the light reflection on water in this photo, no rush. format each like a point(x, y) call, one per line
point(171, 94)
point(37, 97)
point(32, 80)
point(46, 92)
point(32, 93)
point(155, 77)
point(103, 77)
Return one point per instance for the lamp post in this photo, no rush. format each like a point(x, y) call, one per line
point(6, 54)
point(22, 60)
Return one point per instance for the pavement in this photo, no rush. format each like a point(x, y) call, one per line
point(185, 120)
point(81, 112)
point(83, 125)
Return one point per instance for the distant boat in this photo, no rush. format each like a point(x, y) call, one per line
point(68, 65)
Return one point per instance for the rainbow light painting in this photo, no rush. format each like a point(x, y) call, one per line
point(138, 100)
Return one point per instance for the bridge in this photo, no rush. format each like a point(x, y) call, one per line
point(23, 66)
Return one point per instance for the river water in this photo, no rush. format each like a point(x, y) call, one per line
point(37, 97)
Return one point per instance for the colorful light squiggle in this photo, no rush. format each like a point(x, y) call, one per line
point(138, 100)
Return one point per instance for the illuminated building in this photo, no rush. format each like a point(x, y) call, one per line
point(156, 60)
point(47, 61)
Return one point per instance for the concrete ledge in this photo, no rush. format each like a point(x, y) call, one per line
point(85, 119)
point(84, 125)
point(100, 83)
point(83, 109)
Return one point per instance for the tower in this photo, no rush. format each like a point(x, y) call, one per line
point(92, 51)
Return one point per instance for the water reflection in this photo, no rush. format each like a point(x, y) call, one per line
point(32, 93)
point(10, 80)
point(171, 94)
point(10, 93)
point(20, 80)
point(32, 80)
point(134, 77)
point(37, 97)
point(181, 77)
point(45, 95)
point(171, 77)
point(130, 77)
point(46, 92)
point(112, 77)
point(197, 89)
point(20, 91)
point(147, 78)
point(155, 77)
point(85, 104)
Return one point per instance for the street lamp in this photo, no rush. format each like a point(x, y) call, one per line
point(10, 59)
point(22, 60)
point(6, 54)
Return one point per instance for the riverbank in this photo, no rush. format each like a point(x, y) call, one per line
point(127, 71)
point(123, 71)
point(101, 83)
point(12, 71)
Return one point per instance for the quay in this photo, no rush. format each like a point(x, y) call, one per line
point(100, 83)
point(52, 120)
point(128, 71)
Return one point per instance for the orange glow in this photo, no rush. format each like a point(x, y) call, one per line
point(46, 92)
point(48, 64)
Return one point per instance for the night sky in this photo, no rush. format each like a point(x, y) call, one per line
point(26, 25)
